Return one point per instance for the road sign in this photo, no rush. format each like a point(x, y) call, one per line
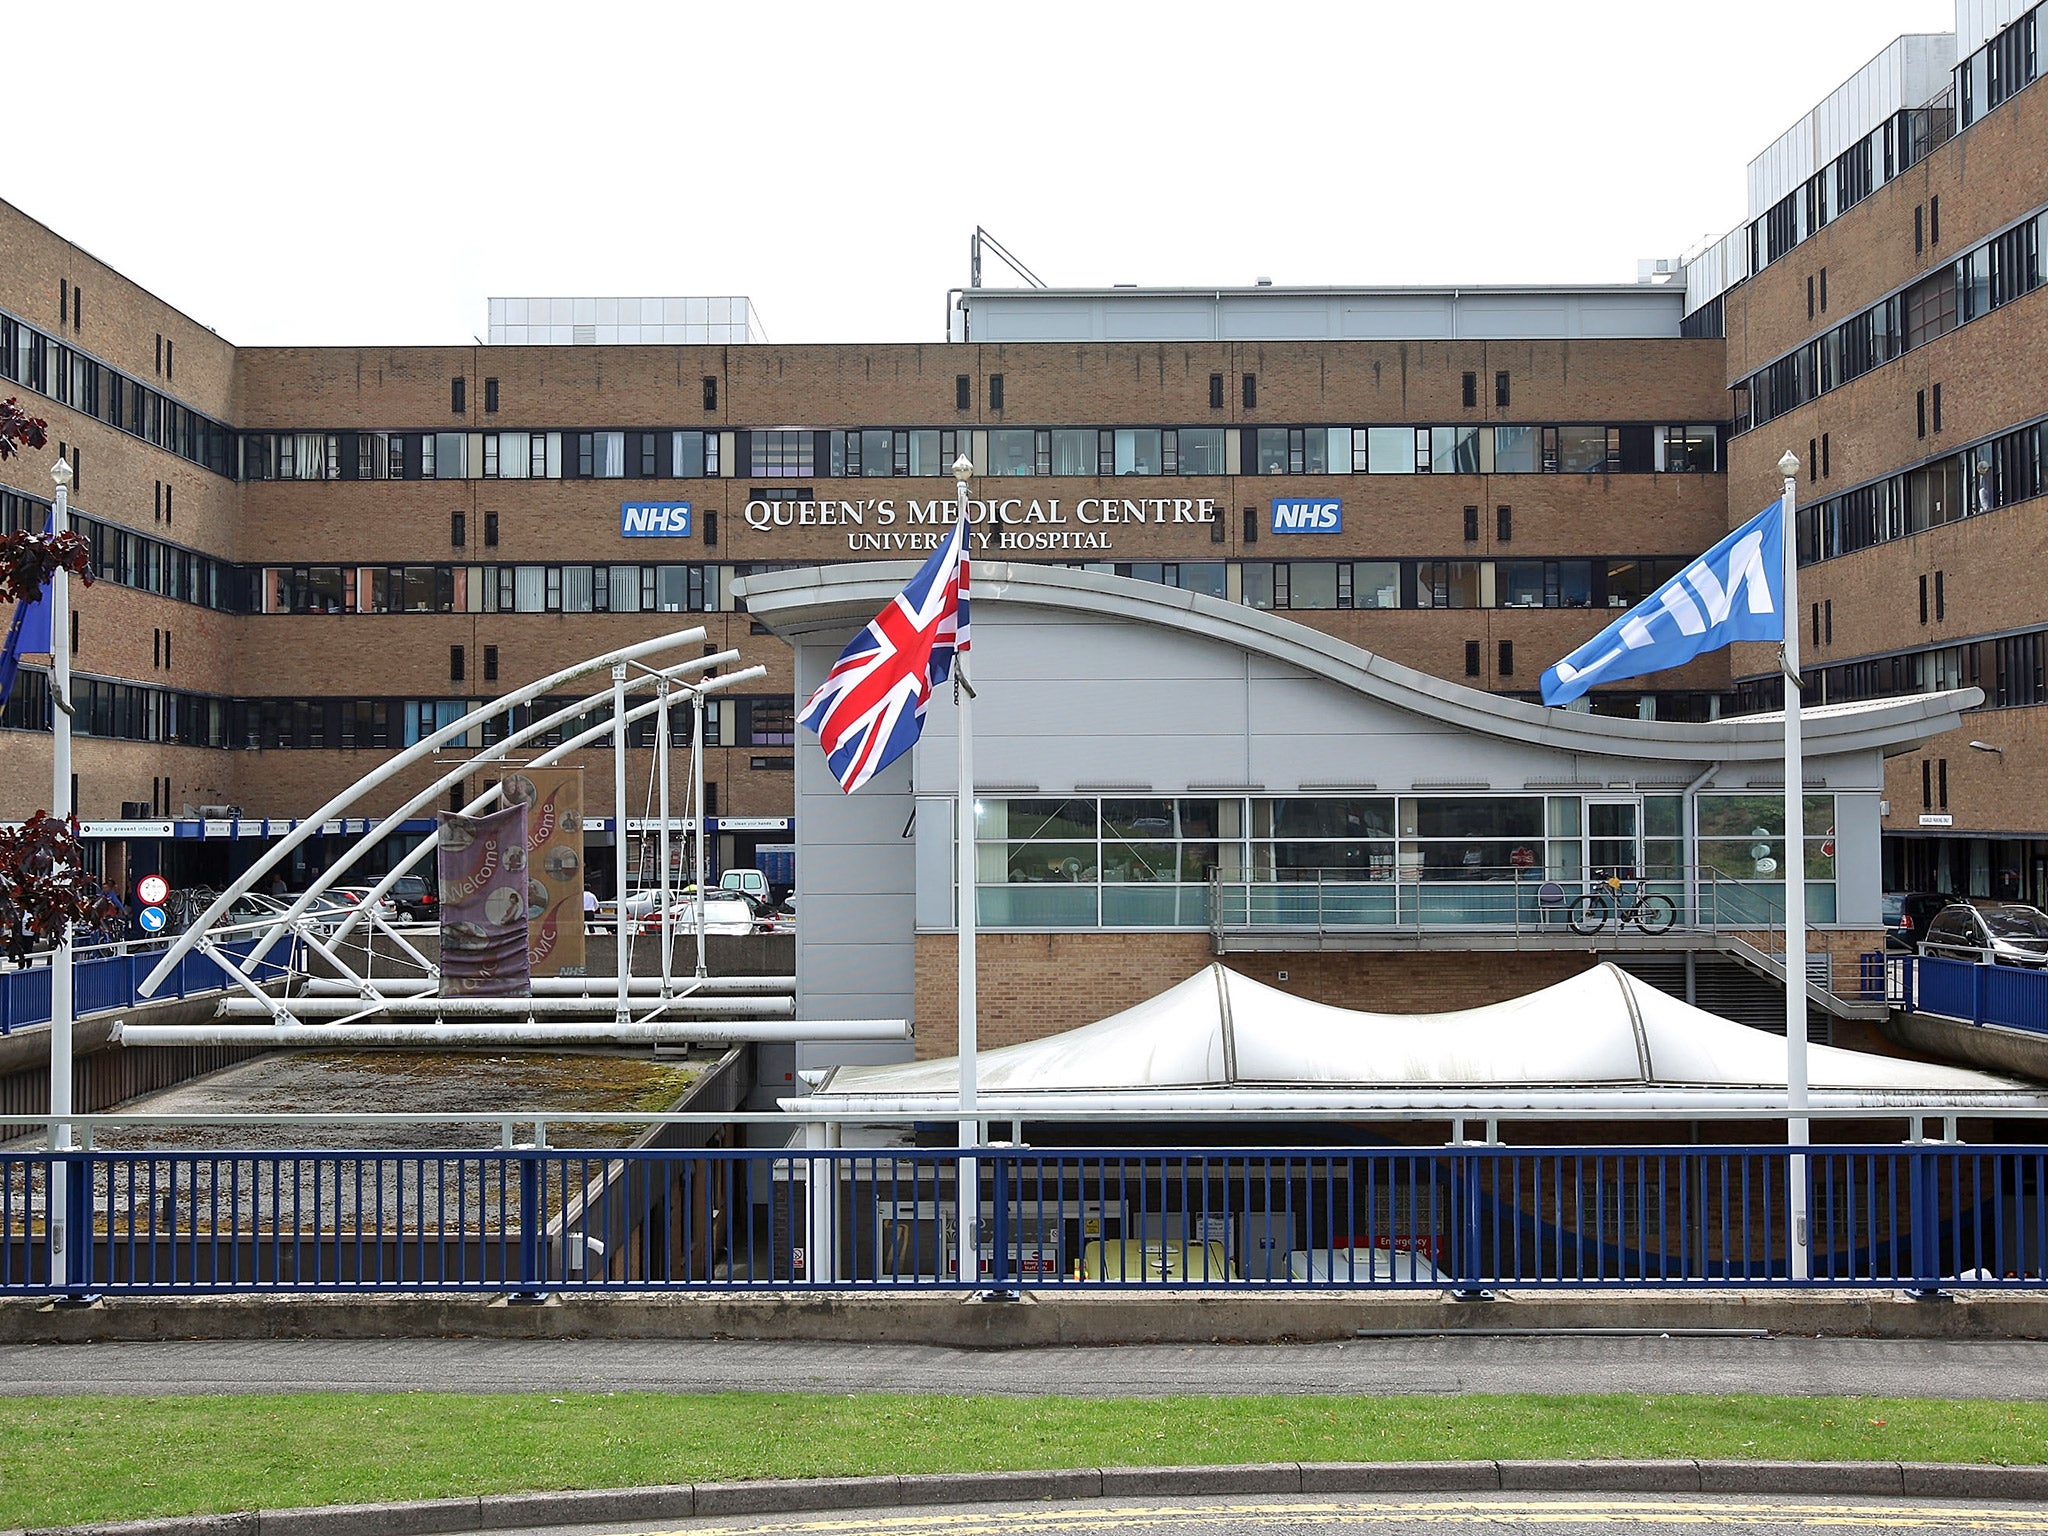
point(152, 890)
point(152, 919)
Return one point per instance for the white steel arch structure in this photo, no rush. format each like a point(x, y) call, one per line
point(703, 1009)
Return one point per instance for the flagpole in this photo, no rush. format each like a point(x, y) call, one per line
point(57, 1218)
point(1797, 1128)
point(969, 1185)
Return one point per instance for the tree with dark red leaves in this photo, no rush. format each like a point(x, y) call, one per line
point(29, 560)
point(44, 886)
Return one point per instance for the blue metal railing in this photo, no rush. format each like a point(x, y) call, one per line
point(1466, 1217)
point(2012, 997)
point(109, 978)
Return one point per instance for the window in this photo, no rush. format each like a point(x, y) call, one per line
point(1471, 658)
point(1919, 228)
point(455, 663)
point(458, 396)
point(1940, 598)
point(1934, 219)
point(1471, 390)
point(1011, 451)
point(1139, 451)
point(1503, 524)
point(1201, 450)
point(1393, 450)
point(490, 663)
point(1471, 525)
point(1454, 451)
point(1583, 449)
point(1500, 390)
point(490, 530)
point(1251, 391)
point(1937, 407)
point(963, 392)
point(1215, 391)
point(1447, 584)
point(710, 391)
point(1507, 659)
point(490, 395)
point(780, 454)
point(995, 391)
point(1920, 413)
point(458, 529)
point(1516, 450)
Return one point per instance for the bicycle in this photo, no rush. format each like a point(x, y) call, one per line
point(1606, 902)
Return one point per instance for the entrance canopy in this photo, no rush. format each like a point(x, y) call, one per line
point(1221, 1042)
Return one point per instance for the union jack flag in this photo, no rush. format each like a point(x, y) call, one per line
point(870, 708)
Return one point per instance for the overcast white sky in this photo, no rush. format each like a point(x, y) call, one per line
point(299, 173)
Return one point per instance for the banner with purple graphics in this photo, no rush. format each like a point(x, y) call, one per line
point(483, 904)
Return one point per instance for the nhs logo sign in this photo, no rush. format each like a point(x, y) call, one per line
point(1292, 514)
point(654, 519)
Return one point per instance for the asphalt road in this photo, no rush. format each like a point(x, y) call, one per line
point(2009, 1370)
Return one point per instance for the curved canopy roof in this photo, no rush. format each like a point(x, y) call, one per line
point(1219, 1040)
point(838, 599)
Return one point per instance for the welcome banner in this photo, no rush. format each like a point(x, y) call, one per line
point(482, 863)
point(553, 798)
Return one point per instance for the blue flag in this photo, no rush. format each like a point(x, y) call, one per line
point(1735, 591)
point(28, 633)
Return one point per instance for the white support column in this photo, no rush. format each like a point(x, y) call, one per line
point(624, 1011)
point(668, 934)
point(968, 1188)
point(701, 830)
point(821, 1204)
point(57, 1217)
point(1797, 1127)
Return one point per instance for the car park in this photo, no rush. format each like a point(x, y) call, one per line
point(1989, 933)
point(355, 895)
point(415, 898)
point(726, 912)
point(1916, 909)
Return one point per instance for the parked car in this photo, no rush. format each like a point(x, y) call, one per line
point(1363, 1265)
point(728, 912)
point(1916, 909)
point(781, 917)
point(415, 898)
point(1155, 1262)
point(749, 881)
point(1989, 933)
point(354, 896)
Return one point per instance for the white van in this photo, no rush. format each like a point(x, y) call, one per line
point(747, 881)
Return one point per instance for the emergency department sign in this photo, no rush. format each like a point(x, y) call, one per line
point(654, 519)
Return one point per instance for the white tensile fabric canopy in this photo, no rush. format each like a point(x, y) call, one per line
point(1221, 1041)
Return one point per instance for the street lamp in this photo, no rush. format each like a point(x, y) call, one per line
point(59, 1215)
point(967, 1186)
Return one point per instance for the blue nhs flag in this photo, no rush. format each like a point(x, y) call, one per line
point(1307, 514)
point(654, 519)
point(1735, 591)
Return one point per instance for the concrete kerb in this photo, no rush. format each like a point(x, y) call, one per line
point(954, 1321)
point(431, 1517)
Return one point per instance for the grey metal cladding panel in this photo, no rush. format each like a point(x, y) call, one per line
point(1602, 316)
point(1189, 323)
point(1513, 318)
point(1394, 762)
point(876, 869)
point(1276, 321)
point(1406, 319)
point(1083, 646)
point(992, 320)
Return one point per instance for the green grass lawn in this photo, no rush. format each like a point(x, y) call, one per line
point(65, 1459)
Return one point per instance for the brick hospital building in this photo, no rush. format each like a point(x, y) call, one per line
point(309, 558)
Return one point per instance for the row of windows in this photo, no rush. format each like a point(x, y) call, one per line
point(130, 559)
point(119, 711)
point(2011, 669)
point(898, 452)
point(1996, 473)
point(1984, 278)
point(497, 588)
point(46, 365)
point(1609, 582)
point(2005, 65)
